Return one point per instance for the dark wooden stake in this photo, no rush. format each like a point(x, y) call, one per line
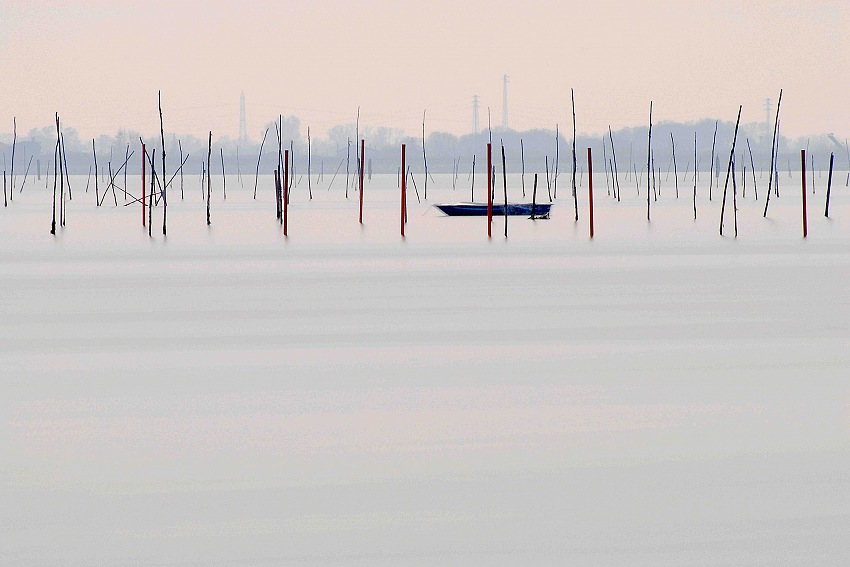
point(309, 165)
point(829, 185)
point(362, 159)
point(12, 166)
point(534, 198)
point(489, 191)
point(803, 170)
point(614, 156)
point(403, 190)
point(209, 182)
point(285, 192)
point(773, 155)
point(522, 159)
point(735, 198)
point(590, 189)
point(144, 165)
point(648, 160)
point(675, 168)
point(151, 194)
point(505, 184)
point(575, 193)
point(259, 155)
point(729, 168)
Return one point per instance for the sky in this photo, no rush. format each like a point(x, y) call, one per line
point(100, 63)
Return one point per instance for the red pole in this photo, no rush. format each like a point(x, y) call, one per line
point(590, 188)
point(362, 149)
point(490, 191)
point(285, 188)
point(403, 190)
point(143, 183)
point(805, 221)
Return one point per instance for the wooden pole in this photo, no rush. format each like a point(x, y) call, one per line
point(285, 190)
point(14, 142)
point(472, 187)
point(534, 198)
point(403, 189)
point(729, 170)
point(309, 166)
point(829, 185)
point(803, 170)
point(590, 188)
point(489, 190)
point(209, 182)
point(424, 157)
point(505, 182)
point(773, 156)
point(223, 175)
point(522, 158)
point(144, 165)
point(735, 196)
point(614, 155)
point(575, 194)
point(711, 167)
point(163, 174)
point(648, 160)
point(362, 163)
point(259, 155)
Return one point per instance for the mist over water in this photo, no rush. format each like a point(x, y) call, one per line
point(658, 395)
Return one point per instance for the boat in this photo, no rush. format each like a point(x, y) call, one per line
point(536, 210)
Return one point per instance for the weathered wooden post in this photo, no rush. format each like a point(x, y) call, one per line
point(590, 188)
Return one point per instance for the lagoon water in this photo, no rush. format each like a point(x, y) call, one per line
point(660, 395)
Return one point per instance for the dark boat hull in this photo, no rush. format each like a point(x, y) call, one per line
point(480, 209)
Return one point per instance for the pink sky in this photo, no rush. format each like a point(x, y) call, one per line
point(100, 63)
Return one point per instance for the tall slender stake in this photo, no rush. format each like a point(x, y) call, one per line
point(309, 164)
point(259, 155)
point(505, 182)
point(555, 169)
point(472, 186)
point(695, 175)
point(735, 197)
point(522, 158)
point(14, 142)
point(614, 155)
point(575, 194)
point(180, 146)
point(675, 168)
point(534, 198)
point(144, 165)
point(165, 185)
point(362, 160)
point(489, 190)
point(773, 155)
point(753, 168)
point(648, 160)
point(829, 185)
point(55, 158)
point(223, 175)
point(729, 169)
point(209, 182)
point(711, 167)
point(403, 190)
point(424, 157)
point(590, 189)
point(285, 192)
point(803, 170)
point(151, 194)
